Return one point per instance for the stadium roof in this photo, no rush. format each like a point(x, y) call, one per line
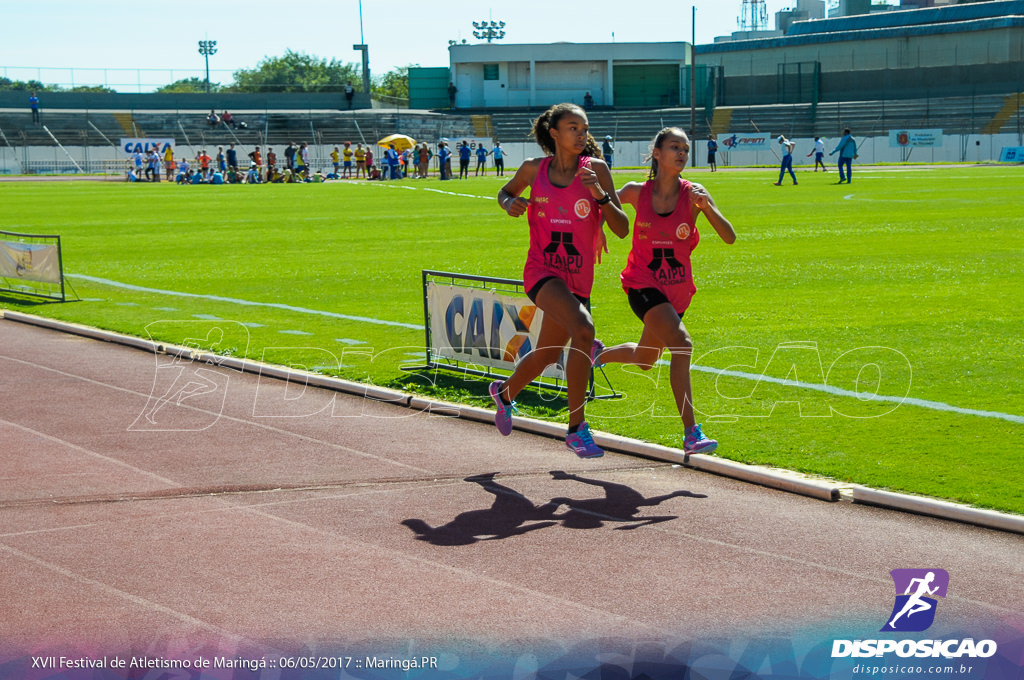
point(918, 22)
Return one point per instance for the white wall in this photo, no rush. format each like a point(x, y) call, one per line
point(980, 148)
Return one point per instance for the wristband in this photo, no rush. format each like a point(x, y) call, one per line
point(601, 201)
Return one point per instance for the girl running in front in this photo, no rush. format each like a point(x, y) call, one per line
point(658, 279)
point(571, 189)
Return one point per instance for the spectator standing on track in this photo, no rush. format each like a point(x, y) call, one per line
point(169, 163)
point(847, 149)
point(787, 160)
point(336, 161)
point(658, 278)
point(346, 154)
point(607, 150)
point(33, 104)
point(222, 162)
point(712, 153)
point(392, 162)
point(137, 159)
point(423, 160)
point(481, 159)
point(302, 156)
point(203, 160)
point(499, 160)
point(360, 154)
point(232, 158)
point(464, 155)
point(289, 156)
point(369, 162)
point(271, 164)
point(153, 165)
point(819, 154)
point(571, 194)
point(444, 155)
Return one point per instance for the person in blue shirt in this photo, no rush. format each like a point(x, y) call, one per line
point(464, 155)
point(499, 160)
point(444, 154)
point(33, 103)
point(232, 158)
point(391, 159)
point(847, 149)
point(481, 160)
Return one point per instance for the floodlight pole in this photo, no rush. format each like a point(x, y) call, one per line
point(206, 48)
point(693, 87)
point(489, 30)
point(364, 48)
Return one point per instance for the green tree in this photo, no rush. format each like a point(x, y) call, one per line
point(187, 85)
point(393, 84)
point(296, 72)
point(101, 89)
point(6, 84)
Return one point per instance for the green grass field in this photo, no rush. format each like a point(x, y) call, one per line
point(905, 283)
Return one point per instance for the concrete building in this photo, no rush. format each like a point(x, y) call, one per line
point(616, 74)
point(942, 51)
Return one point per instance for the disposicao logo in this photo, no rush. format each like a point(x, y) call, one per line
point(914, 611)
point(916, 589)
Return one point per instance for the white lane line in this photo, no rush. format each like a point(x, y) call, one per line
point(250, 423)
point(246, 303)
point(863, 396)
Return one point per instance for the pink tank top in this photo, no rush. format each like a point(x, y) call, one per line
point(563, 228)
point(660, 257)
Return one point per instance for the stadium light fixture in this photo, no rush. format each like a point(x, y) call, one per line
point(206, 48)
point(489, 30)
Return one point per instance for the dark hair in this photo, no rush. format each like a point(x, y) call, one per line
point(659, 139)
point(549, 119)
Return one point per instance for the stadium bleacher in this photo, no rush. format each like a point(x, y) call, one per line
point(989, 114)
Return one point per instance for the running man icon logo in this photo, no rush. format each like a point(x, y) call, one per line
point(914, 610)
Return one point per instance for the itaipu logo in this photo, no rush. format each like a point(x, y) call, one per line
point(915, 606)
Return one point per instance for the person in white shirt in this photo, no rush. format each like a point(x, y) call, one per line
point(819, 154)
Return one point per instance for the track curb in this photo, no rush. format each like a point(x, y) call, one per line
point(777, 479)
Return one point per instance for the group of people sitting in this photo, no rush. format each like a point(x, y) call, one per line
point(213, 120)
point(224, 168)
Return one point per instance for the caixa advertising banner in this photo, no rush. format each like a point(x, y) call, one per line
point(482, 327)
point(132, 145)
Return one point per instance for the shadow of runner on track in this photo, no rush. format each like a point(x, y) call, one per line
point(620, 504)
point(513, 514)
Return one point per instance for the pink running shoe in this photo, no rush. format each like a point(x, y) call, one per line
point(697, 442)
point(595, 353)
point(503, 415)
point(581, 442)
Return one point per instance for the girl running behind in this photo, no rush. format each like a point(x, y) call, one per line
point(658, 279)
point(571, 189)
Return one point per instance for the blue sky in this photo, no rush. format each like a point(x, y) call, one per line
point(108, 41)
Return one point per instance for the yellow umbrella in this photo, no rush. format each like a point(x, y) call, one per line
point(401, 142)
